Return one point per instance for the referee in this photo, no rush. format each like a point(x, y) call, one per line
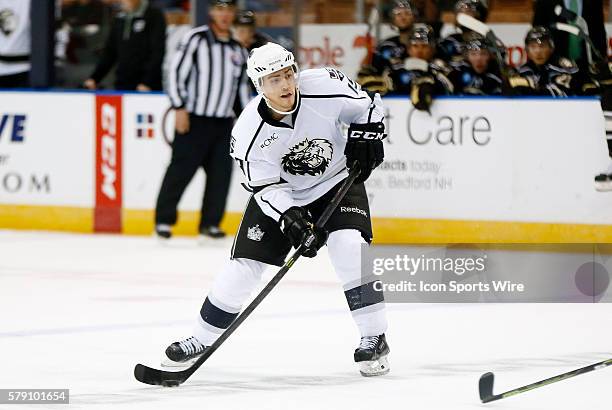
point(207, 88)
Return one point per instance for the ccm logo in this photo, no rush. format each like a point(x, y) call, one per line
point(109, 150)
point(367, 135)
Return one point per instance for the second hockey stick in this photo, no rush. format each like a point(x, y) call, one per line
point(581, 29)
point(485, 31)
point(149, 375)
point(485, 384)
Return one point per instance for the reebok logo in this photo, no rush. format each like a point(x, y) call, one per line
point(353, 209)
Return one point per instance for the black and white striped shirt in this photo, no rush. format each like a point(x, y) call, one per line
point(208, 75)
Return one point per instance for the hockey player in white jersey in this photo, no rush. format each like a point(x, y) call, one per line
point(291, 148)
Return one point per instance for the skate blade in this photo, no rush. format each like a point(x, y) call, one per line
point(603, 186)
point(172, 364)
point(161, 240)
point(374, 367)
point(210, 242)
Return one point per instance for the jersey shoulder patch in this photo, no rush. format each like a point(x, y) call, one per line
point(525, 69)
point(566, 63)
point(440, 65)
point(246, 129)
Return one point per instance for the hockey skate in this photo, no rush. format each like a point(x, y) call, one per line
point(603, 182)
point(163, 232)
point(212, 232)
point(183, 353)
point(371, 355)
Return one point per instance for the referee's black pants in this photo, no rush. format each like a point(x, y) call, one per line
point(19, 80)
point(206, 145)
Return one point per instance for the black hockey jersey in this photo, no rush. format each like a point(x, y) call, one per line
point(468, 82)
point(559, 77)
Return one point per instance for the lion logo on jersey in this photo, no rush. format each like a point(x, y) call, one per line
point(309, 157)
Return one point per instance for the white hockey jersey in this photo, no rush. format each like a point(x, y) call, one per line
point(14, 36)
point(295, 161)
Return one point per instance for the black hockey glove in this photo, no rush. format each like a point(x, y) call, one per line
point(600, 70)
point(364, 145)
point(421, 94)
point(296, 224)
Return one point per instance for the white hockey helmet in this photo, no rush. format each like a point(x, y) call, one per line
point(268, 59)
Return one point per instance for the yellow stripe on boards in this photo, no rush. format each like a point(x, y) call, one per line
point(142, 222)
point(386, 230)
point(52, 218)
point(398, 231)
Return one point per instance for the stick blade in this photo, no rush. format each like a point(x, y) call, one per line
point(485, 387)
point(467, 21)
point(155, 377)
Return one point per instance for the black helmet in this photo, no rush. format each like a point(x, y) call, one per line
point(245, 18)
point(223, 3)
point(476, 43)
point(403, 5)
point(539, 34)
point(422, 33)
point(398, 6)
point(477, 7)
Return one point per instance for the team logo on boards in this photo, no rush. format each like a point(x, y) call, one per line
point(309, 157)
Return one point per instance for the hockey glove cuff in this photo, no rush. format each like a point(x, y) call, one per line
point(364, 146)
point(297, 226)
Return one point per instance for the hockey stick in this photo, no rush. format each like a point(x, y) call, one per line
point(148, 375)
point(485, 384)
point(581, 30)
point(475, 25)
point(484, 30)
point(372, 23)
point(577, 31)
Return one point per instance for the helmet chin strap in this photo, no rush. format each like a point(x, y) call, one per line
point(295, 105)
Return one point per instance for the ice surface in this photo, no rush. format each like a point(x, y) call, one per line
point(79, 311)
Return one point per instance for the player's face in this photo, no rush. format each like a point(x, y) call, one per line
point(539, 53)
point(402, 18)
point(479, 60)
point(223, 16)
point(423, 51)
point(244, 35)
point(280, 89)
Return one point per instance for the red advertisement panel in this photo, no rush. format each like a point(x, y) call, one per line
point(107, 215)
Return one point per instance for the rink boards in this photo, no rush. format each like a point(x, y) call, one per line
point(475, 170)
